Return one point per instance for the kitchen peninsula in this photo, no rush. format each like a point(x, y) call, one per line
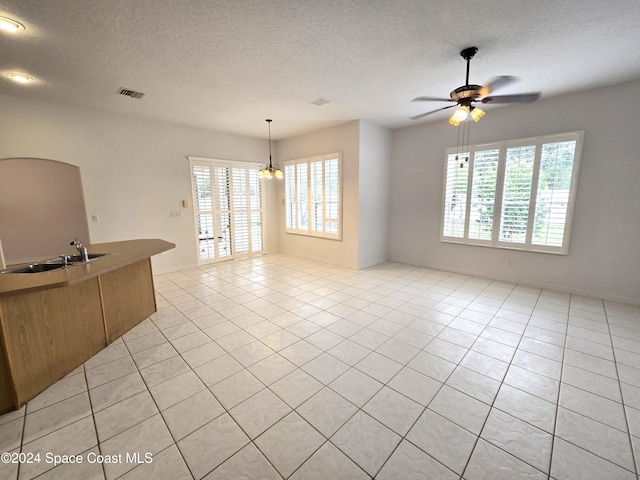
point(52, 322)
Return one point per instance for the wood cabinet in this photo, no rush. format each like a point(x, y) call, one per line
point(48, 331)
point(7, 394)
point(127, 297)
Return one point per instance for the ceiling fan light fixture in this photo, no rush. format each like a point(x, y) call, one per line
point(476, 113)
point(454, 121)
point(461, 113)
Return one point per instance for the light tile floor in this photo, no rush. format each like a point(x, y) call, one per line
point(278, 367)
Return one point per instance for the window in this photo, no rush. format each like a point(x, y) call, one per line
point(227, 199)
point(313, 196)
point(515, 194)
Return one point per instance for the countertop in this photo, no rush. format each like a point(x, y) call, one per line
point(125, 253)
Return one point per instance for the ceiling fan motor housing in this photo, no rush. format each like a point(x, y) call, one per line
point(465, 92)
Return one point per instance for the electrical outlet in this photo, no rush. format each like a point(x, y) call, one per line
point(95, 218)
point(510, 263)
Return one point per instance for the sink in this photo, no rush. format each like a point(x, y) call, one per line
point(76, 259)
point(34, 268)
point(54, 264)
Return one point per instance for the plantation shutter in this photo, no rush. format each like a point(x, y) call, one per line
point(228, 209)
point(313, 196)
point(554, 187)
point(290, 183)
point(332, 195)
point(316, 183)
point(255, 211)
point(483, 194)
point(516, 196)
point(302, 203)
point(455, 195)
point(222, 213)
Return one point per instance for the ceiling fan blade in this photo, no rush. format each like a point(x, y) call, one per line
point(494, 83)
point(517, 98)
point(432, 111)
point(432, 99)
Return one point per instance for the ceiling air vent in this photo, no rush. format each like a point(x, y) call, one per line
point(130, 93)
point(319, 102)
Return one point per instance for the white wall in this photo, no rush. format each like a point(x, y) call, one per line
point(375, 161)
point(604, 254)
point(342, 138)
point(134, 171)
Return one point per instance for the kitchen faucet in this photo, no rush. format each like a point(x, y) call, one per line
point(82, 250)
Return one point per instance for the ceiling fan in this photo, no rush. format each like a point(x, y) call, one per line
point(466, 95)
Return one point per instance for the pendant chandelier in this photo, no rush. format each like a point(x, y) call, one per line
point(269, 171)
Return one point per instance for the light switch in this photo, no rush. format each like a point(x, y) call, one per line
point(185, 203)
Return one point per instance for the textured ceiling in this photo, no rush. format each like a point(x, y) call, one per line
point(229, 65)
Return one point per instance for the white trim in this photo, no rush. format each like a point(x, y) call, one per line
point(223, 162)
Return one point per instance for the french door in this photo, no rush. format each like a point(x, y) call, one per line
point(227, 202)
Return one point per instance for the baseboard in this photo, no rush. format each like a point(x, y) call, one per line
point(320, 259)
point(163, 271)
point(522, 281)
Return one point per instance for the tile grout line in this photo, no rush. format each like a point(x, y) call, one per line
point(491, 407)
point(404, 437)
point(154, 400)
point(624, 405)
point(557, 403)
point(584, 415)
point(426, 407)
point(359, 409)
point(93, 418)
point(24, 424)
point(227, 412)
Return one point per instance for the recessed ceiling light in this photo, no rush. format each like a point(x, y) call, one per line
point(10, 25)
point(19, 77)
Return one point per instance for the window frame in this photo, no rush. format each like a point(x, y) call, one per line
point(503, 147)
point(291, 168)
